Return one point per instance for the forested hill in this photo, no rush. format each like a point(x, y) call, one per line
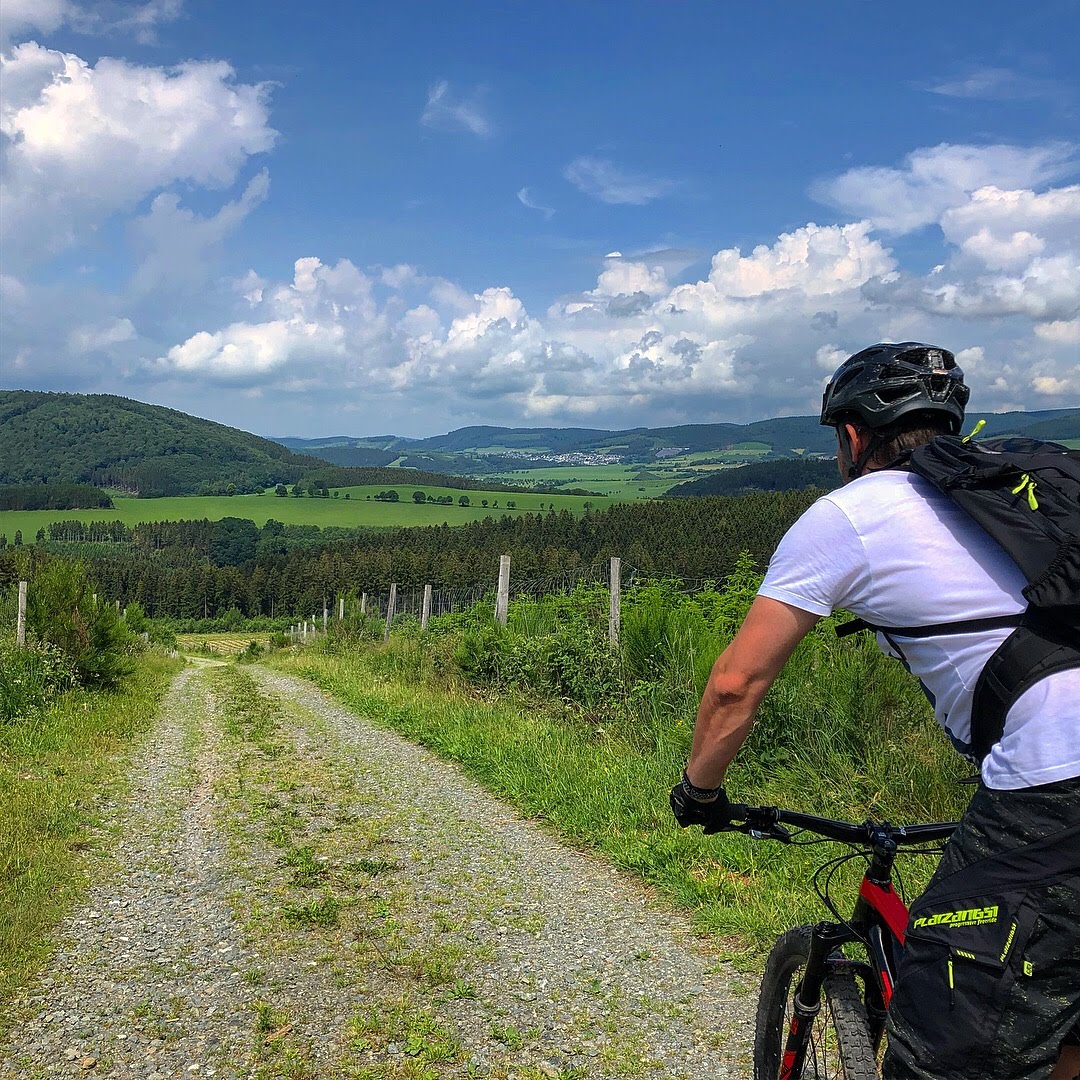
point(149, 450)
point(783, 475)
point(143, 449)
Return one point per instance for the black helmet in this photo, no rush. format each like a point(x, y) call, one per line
point(886, 381)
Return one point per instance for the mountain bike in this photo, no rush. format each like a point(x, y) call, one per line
point(821, 1011)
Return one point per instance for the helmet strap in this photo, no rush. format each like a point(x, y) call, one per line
point(855, 469)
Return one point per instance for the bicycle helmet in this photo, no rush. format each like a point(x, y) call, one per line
point(886, 381)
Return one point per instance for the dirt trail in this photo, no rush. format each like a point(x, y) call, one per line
point(297, 893)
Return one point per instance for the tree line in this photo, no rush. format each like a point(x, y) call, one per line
point(203, 569)
point(54, 497)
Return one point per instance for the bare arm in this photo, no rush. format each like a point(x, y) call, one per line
point(739, 680)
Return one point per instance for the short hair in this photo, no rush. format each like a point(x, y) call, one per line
point(909, 431)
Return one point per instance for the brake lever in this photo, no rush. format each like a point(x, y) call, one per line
point(774, 832)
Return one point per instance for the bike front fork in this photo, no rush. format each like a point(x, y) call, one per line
point(827, 938)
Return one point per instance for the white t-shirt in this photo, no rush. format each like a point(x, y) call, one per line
point(893, 550)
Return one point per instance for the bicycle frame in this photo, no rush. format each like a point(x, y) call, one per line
point(878, 922)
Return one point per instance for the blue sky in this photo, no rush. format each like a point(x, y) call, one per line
point(358, 218)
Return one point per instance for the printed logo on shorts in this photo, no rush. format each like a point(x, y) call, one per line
point(976, 916)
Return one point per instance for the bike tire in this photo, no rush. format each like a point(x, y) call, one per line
point(843, 1047)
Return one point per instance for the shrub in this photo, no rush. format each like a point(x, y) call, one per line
point(63, 611)
point(30, 679)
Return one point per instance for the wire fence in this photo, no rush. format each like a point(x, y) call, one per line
point(607, 581)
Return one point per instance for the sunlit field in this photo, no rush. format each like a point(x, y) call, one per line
point(357, 510)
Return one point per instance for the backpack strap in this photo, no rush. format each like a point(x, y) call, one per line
point(1034, 650)
point(1031, 652)
point(962, 626)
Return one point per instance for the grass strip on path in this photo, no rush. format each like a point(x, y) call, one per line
point(56, 772)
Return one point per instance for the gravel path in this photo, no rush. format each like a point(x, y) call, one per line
point(300, 894)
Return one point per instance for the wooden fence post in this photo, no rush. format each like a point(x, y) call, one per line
point(20, 624)
point(303, 637)
point(425, 614)
point(391, 604)
point(341, 609)
point(363, 603)
point(325, 616)
point(615, 616)
point(502, 598)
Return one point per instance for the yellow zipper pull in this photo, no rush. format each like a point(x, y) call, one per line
point(952, 986)
point(1027, 486)
point(974, 431)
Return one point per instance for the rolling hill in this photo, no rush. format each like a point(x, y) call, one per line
point(485, 450)
point(140, 449)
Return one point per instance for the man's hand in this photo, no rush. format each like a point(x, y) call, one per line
point(712, 815)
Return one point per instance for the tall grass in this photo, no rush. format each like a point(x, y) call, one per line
point(591, 740)
point(56, 765)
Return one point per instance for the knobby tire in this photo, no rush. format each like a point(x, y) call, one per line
point(840, 1030)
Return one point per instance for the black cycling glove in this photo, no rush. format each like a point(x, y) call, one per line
point(711, 814)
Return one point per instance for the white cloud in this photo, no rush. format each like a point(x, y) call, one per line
point(603, 180)
point(19, 16)
point(937, 178)
point(84, 142)
point(757, 336)
point(1061, 332)
point(1053, 386)
point(88, 339)
point(1005, 230)
point(526, 199)
point(178, 245)
point(997, 84)
point(447, 112)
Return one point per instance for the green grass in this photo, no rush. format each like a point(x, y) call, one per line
point(604, 784)
point(53, 771)
point(349, 513)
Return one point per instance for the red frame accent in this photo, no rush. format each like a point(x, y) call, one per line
point(886, 987)
point(885, 901)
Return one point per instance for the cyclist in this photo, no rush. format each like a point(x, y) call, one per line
point(889, 548)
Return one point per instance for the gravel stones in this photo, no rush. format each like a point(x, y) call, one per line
point(464, 930)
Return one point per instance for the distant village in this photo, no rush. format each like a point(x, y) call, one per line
point(586, 457)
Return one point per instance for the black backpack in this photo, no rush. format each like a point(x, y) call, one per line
point(1026, 495)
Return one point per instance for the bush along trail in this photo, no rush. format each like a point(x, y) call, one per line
point(296, 893)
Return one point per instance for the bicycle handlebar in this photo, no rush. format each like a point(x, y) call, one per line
point(767, 823)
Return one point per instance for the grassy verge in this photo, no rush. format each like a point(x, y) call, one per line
point(55, 771)
point(605, 786)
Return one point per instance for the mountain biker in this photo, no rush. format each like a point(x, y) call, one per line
point(890, 548)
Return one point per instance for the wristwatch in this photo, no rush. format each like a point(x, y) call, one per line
point(699, 794)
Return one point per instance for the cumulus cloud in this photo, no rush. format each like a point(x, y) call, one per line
point(935, 179)
point(83, 142)
point(757, 336)
point(605, 181)
point(447, 111)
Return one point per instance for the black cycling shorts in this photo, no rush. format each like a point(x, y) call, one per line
point(989, 986)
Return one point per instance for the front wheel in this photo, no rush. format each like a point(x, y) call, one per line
point(840, 1047)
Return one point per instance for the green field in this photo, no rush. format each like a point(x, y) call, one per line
point(355, 511)
point(616, 481)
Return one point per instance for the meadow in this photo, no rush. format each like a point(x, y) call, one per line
point(354, 512)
